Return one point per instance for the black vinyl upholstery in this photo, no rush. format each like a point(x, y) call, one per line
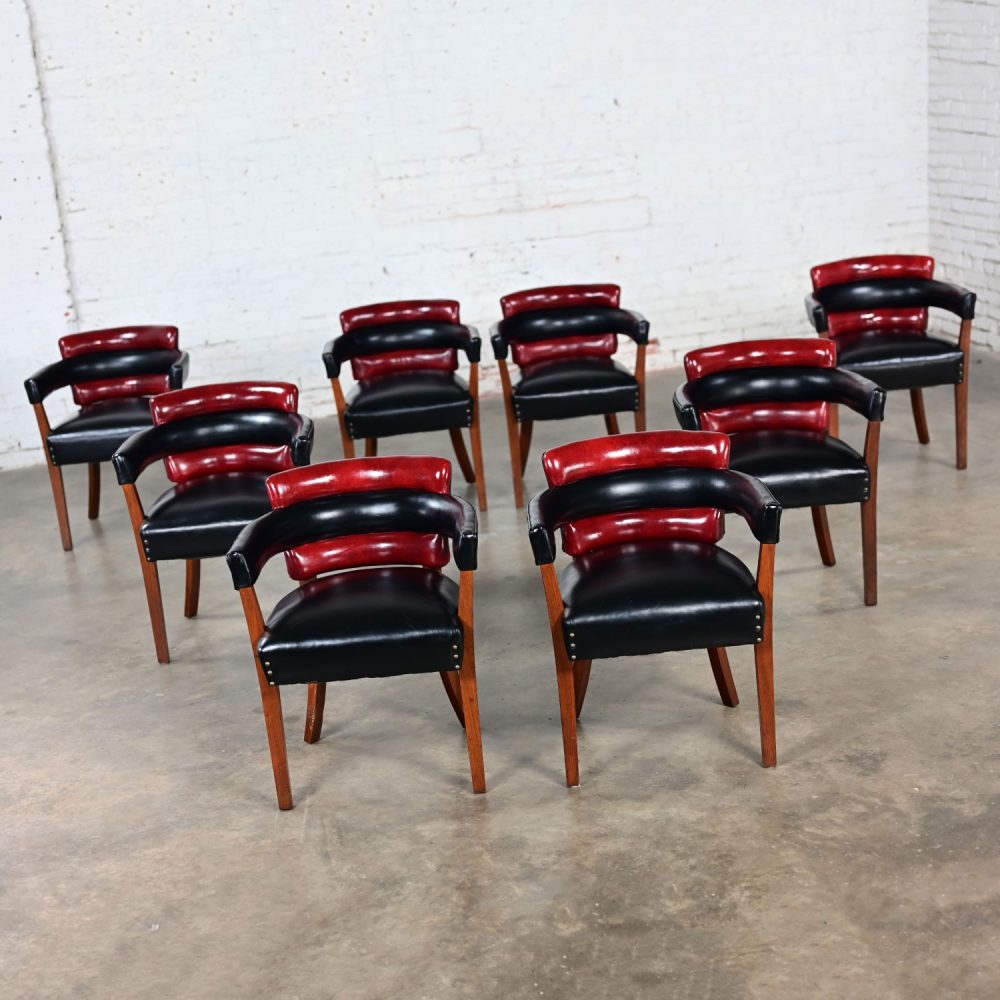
point(201, 518)
point(802, 468)
point(566, 321)
point(101, 365)
point(407, 336)
point(553, 390)
point(901, 360)
point(638, 599)
point(98, 430)
point(377, 622)
point(407, 403)
point(888, 293)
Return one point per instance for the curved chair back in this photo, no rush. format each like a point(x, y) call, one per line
point(759, 385)
point(363, 478)
point(635, 457)
point(560, 322)
point(225, 427)
point(120, 363)
point(389, 338)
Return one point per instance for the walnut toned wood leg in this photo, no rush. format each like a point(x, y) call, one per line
point(513, 440)
point(477, 458)
point(449, 678)
point(345, 437)
point(524, 443)
point(764, 659)
point(723, 676)
point(150, 575)
point(869, 549)
point(271, 701)
point(467, 685)
point(314, 712)
point(55, 479)
point(919, 415)
point(94, 490)
point(640, 377)
point(564, 675)
point(833, 425)
point(458, 443)
point(821, 526)
point(192, 587)
point(581, 681)
point(371, 447)
point(962, 423)
point(611, 423)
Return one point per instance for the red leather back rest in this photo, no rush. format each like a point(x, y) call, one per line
point(645, 450)
point(814, 352)
point(909, 320)
point(396, 362)
point(874, 268)
point(360, 475)
point(200, 400)
point(382, 313)
point(120, 338)
point(559, 297)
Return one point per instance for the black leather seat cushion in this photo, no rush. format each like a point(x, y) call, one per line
point(899, 360)
point(98, 430)
point(551, 390)
point(651, 597)
point(202, 517)
point(405, 404)
point(801, 468)
point(377, 622)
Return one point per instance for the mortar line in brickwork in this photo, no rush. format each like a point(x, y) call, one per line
point(43, 100)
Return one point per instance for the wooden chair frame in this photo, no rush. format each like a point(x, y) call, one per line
point(473, 472)
point(573, 676)
point(519, 432)
point(459, 685)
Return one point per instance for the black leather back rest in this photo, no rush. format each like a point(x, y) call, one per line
point(410, 336)
point(210, 431)
point(646, 489)
point(102, 365)
point(896, 293)
point(353, 514)
point(791, 384)
point(570, 321)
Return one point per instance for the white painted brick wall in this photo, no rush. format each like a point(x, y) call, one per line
point(247, 169)
point(964, 143)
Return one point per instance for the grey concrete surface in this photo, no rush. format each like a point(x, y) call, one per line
point(143, 855)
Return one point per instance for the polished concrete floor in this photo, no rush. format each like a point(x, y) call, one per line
point(143, 856)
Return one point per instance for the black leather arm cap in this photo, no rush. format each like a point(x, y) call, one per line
point(687, 414)
point(893, 293)
point(791, 384)
point(106, 365)
point(354, 514)
point(570, 321)
point(237, 427)
point(387, 337)
point(645, 489)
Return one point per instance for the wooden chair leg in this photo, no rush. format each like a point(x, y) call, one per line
point(477, 459)
point(62, 513)
point(723, 676)
point(192, 587)
point(151, 579)
point(371, 447)
point(458, 443)
point(822, 528)
point(513, 441)
point(581, 680)
point(345, 437)
point(524, 443)
point(833, 425)
point(962, 423)
point(271, 700)
point(449, 678)
point(919, 415)
point(869, 552)
point(314, 712)
point(468, 689)
point(640, 417)
point(567, 715)
point(764, 664)
point(611, 422)
point(93, 490)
